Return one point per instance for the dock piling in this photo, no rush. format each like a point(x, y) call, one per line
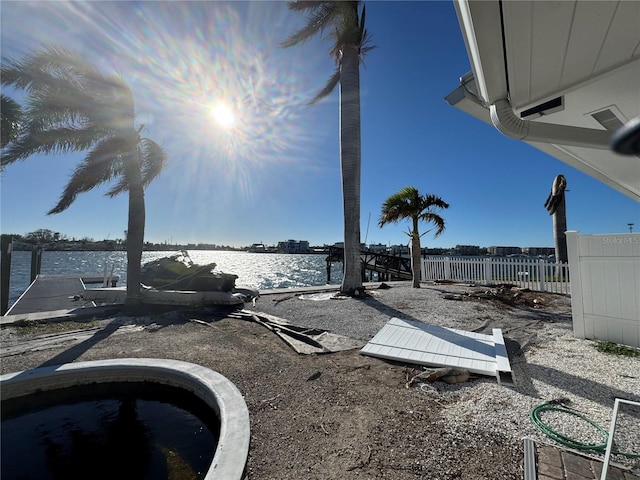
point(36, 261)
point(5, 262)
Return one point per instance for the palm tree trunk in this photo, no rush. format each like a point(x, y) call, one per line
point(350, 165)
point(135, 241)
point(559, 229)
point(415, 254)
point(135, 234)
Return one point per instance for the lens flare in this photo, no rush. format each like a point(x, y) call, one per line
point(182, 58)
point(223, 115)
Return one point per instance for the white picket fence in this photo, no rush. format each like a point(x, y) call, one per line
point(532, 273)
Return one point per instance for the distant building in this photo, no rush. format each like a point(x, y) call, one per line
point(398, 250)
point(504, 250)
point(466, 250)
point(294, 246)
point(377, 248)
point(435, 251)
point(534, 251)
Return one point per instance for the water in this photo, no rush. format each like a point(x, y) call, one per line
point(126, 431)
point(263, 271)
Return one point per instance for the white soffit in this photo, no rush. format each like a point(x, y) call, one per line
point(431, 345)
point(586, 52)
point(552, 47)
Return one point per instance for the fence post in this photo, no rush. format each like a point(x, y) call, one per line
point(447, 268)
point(488, 271)
point(541, 275)
point(575, 281)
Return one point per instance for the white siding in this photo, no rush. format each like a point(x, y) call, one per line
point(605, 286)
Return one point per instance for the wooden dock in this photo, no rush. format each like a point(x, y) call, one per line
point(56, 292)
point(387, 267)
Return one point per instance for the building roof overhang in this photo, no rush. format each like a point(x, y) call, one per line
point(560, 76)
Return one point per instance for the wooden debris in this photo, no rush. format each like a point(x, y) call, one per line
point(452, 296)
point(314, 376)
point(447, 375)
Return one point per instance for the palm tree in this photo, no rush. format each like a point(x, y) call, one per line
point(345, 23)
point(71, 106)
point(556, 207)
point(407, 204)
point(11, 114)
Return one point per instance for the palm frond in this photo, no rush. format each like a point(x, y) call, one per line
point(431, 200)
point(47, 67)
point(52, 141)
point(407, 203)
point(152, 160)
point(98, 167)
point(437, 220)
point(320, 16)
point(121, 186)
point(328, 87)
point(11, 117)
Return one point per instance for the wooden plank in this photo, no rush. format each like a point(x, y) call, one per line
point(50, 292)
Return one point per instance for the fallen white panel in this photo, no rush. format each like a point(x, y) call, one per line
point(423, 344)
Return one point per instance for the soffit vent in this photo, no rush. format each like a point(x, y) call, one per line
point(607, 119)
point(545, 108)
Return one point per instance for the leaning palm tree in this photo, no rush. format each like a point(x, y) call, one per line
point(71, 106)
point(11, 114)
point(556, 206)
point(408, 204)
point(344, 22)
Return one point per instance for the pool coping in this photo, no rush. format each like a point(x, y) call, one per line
point(214, 389)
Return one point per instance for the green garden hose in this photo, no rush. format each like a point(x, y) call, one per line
point(536, 412)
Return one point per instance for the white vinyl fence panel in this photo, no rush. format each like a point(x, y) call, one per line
point(605, 285)
point(535, 274)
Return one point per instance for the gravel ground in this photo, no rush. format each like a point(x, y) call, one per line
point(547, 361)
point(357, 419)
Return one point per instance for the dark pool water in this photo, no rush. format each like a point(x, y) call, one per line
point(109, 431)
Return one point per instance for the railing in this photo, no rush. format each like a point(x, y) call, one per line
point(387, 267)
point(535, 274)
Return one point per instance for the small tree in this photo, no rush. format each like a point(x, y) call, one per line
point(408, 204)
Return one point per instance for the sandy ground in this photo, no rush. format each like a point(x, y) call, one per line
point(339, 415)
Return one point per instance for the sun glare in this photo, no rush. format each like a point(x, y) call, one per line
point(223, 115)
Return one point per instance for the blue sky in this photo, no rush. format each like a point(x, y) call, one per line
point(276, 174)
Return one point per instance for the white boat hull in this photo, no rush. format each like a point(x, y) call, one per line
point(184, 298)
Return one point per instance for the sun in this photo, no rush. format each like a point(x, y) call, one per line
point(223, 115)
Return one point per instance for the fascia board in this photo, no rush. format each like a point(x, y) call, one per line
point(562, 154)
point(461, 99)
point(481, 27)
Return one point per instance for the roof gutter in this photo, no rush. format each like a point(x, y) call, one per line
point(483, 32)
point(509, 124)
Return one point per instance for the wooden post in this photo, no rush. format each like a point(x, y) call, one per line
point(5, 262)
point(328, 270)
point(36, 261)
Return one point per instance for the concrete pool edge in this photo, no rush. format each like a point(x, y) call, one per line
point(214, 389)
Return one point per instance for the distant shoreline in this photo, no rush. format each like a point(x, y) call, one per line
point(168, 248)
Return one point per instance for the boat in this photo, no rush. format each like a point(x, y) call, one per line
point(179, 272)
point(177, 280)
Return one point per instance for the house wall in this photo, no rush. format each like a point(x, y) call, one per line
point(605, 286)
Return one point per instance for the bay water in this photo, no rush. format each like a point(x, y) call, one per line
point(262, 271)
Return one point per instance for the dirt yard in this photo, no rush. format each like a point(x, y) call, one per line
point(332, 416)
